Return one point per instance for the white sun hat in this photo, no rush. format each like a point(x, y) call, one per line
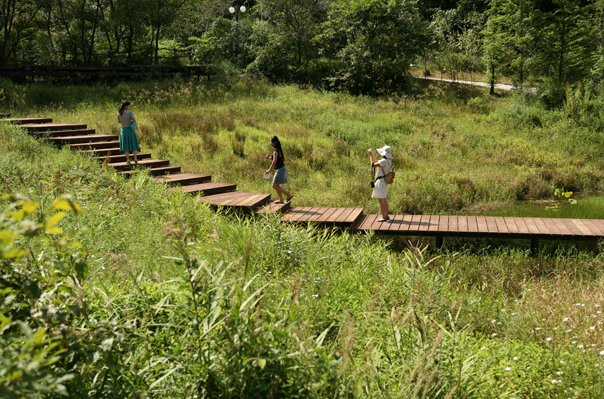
point(385, 151)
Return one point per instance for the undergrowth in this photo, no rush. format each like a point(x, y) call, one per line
point(120, 288)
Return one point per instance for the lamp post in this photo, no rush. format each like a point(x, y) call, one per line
point(235, 10)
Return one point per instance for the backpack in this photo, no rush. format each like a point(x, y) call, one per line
point(389, 178)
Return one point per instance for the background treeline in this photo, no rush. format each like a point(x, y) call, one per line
point(363, 46)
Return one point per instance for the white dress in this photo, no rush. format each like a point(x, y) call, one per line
point(381, 188)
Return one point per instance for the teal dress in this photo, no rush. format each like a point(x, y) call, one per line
point(128, 139)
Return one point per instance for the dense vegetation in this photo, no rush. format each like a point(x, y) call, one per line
point(455, 149)
point(361, 46)
point(119, 288)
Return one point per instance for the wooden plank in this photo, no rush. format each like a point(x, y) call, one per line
point(491, 224)
point(377, 226)
point(502, 227)
point(598, 223)
point(395, 222)
point(481, 221)
point(253, 200)
point(154, 170)
point(584, 229)
point(415, 224)
point(462, 224)
point(406, 223)
point(354, 215)
point(317, 214)
point(453, 224)
point(574, 230)
point(369, 219)
point(27, 120)
point(562, 227)
point(273, 208)
point(41, 127)
point(511, 225)
point(592, 227)
point(223, 199)
point(472, 224)
point(424, 223)
point(541, 226)
point(326, 215)
point(530, 224)
point(205, 188)
point(522, 227)
point(335, 215)
point(551, 226)
point(311, 214)
point(434, 219)
point(303, 217)
point(295, 211)
point(443, 223)
point(182, 178)
point(344, 215)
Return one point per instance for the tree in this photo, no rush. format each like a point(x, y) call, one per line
point(374, 41)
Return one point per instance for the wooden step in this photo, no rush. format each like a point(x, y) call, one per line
point(274, 208)
point(47, 127)
point(3, 116)
point(64, 133)
point(206, 188)
point(146, 163)
point(336, 216)
point(238, 199)
point(83, 139)
point(162, 170)
point(183, 178)
point(99, 152)
point(21, 121)
point(99, 144)
point(122, 157)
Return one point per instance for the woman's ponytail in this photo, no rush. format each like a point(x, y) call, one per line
point(123, 107)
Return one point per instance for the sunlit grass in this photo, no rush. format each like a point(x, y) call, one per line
point(478, 321)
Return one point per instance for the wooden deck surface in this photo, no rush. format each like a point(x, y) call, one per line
point(323, 215)
point(238, 199)
point(486, 226)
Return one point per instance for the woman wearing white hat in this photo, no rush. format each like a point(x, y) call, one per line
point(380, 191)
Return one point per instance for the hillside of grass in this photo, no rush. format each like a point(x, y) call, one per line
point(148, 293)
point(454, 147)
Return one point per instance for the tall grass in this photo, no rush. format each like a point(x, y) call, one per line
point(454, 148)
point(182, 301)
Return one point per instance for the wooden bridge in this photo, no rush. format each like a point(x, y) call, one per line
point(105, 148)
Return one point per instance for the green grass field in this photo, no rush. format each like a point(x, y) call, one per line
point(167, 298)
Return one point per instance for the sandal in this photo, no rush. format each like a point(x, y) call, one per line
point(277, 202)
point(290, 198)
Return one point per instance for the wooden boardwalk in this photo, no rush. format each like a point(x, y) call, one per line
point(105, 149)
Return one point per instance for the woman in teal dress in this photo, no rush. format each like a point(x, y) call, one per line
point(128, 139)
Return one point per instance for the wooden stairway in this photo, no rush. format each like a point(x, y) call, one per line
point(106, 149)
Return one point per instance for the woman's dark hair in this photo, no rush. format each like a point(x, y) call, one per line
point(123, 107)
point(278, 148)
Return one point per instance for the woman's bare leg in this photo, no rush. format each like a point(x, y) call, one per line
point(127, 156)
point(281, 191)
point(384, 208)
point(135, 153)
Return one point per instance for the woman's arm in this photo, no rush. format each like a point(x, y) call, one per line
point(275, 155)
point(374, 162)
point(132, 116)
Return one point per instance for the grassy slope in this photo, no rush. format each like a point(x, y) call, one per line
point(453, 149)
point(388, 308)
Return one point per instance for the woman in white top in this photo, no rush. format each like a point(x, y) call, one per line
point(380, 191)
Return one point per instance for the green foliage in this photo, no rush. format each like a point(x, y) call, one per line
point(375, 42)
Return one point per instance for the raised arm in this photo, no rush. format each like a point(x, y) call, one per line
point(374, 162)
